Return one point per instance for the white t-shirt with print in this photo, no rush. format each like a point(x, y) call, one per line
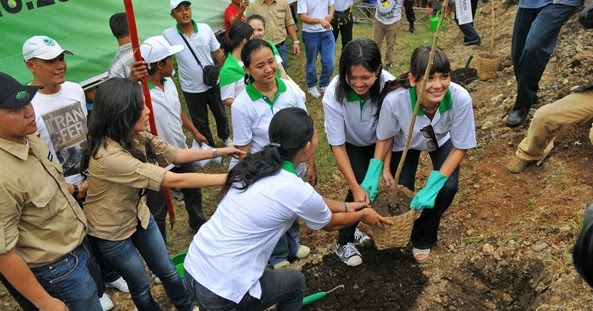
point(389, 11)
point(203, 42)
point(348, 122)
point(167, 114)
point(456, 123)
point(62, 123)
point(229, 254)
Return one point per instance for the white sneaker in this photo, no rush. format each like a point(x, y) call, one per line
point(228, 142)
point(322, 89)
point(106, 303)
point(361, 239)
point(303, 252)
point(119, 284)
point(349, 254)
point(282, 264)
point(313, 91)
point(155, 278)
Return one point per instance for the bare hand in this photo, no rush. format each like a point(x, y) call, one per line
point(83, 187)
point(326, 24)
point(230, 151)
point(388, 177)
point(312, 176)
point(360, 195)
point(357, 206)
point(200, 138)
point(139, 71)
point(244, 3)
point(296, 49)
point(53, 304)
point(372, 218)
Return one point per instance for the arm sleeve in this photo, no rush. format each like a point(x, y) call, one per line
point(463, 133)
point(10, 205)
point(314, 212)
point(387, 125)
point(334, 119)
point(242, 131)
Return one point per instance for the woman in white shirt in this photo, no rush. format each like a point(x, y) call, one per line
point(351, 106)
point(444, 128)
point(262, 197)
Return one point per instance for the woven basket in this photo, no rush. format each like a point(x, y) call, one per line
point(396, 235)
point(487, 65)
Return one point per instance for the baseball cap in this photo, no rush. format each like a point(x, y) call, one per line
point(157, 48)
point(42, 47)
point(176, 3)
point(13, 94)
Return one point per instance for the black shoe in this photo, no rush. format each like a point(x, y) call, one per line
point(517, 116)
point(412, 29)
point(472, 42)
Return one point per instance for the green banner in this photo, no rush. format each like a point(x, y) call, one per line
point(82, 26)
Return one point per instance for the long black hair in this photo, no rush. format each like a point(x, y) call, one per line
point(249, 48)
point(290, 130)
point(363, 52)
point(418, 64)
point(117, 107)
point(235, 36)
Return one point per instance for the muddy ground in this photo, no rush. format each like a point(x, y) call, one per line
point(505, 243)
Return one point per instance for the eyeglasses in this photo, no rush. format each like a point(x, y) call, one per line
point(428, 132)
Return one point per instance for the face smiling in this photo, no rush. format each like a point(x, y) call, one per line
point(436, 87)
point(361, 79)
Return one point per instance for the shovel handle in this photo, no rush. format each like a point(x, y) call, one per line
point(314, 297)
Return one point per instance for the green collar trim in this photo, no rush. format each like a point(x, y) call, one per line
point(254, 94)
point(192, 22)
point(444, 105)
point(353, 97)
point(152, 85)
point(288, 166)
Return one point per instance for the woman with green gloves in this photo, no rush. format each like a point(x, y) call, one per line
point(444, 128)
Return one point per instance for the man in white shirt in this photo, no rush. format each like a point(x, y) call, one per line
point(199, 39)
point(121, 65)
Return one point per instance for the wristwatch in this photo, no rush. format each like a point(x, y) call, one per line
point(296, 42)
point(214, 153)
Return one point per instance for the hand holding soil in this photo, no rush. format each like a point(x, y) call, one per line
point(370, 217)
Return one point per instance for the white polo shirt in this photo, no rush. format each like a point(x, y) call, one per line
point(61, 121)
point(229, 254)
point(342, 5)
point(454, 119)
point(167, 113)
point(314, 8)
point(203, 42)
point(353, 121)
point(389, 11)
point(252, 113)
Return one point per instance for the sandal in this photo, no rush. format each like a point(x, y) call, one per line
point(421, 255)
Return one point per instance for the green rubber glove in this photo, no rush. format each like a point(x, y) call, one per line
point(370, 184)
point(426, 196)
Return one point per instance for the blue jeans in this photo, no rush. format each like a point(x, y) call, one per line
point(69, 280)
point(535, 34)
point(287, 247)
point(286, 287)
point(426, 227)
point(316, 42)
point(283, 54)
point(123, 256)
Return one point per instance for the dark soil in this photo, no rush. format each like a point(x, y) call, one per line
point(393, 201)
point(386, 280)
point(464, 76)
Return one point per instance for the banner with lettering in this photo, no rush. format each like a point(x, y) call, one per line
point(82, 26)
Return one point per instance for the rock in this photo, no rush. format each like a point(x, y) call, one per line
point(470, 232)
point(540, 247)
point(487, 248)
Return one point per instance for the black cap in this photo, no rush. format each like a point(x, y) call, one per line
point(13, 94)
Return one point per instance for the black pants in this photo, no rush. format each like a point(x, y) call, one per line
point(359, 161)
point(409, 8)
point(424, 233)
point(468, 30)
point(157, 204)
point(345, 30)
point(198, 103)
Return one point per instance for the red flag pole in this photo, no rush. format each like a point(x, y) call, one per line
point(138, 57)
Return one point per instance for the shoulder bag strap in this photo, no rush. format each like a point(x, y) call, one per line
point(191, 50)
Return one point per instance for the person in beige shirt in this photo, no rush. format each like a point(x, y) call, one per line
point(118, 161)
point(42, 257)
point(279, 25)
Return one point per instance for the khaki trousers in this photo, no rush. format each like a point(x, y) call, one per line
point(574, 109)
point(388, 32)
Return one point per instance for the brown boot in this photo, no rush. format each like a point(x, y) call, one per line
point(516, 165)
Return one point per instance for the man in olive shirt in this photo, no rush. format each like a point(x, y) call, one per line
point(41, 251)
point(279, 25)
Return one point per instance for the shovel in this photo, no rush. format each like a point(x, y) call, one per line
point(314, 297)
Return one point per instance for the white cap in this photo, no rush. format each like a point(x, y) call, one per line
point(42, 47)
point(176, 3)
point(157, 48)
